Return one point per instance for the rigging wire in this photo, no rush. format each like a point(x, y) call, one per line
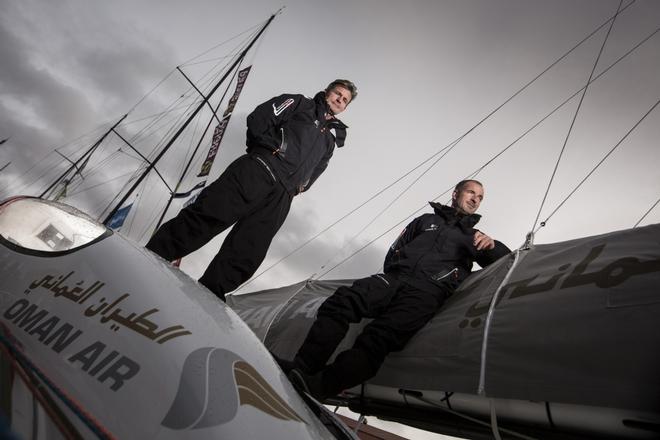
point(599, 164)
point(647, 213)
point(22, 177)
point(181, 129)
point(89, 188)
point(51, 153)
point(191, 93)
point(192, 59)
point(150, 91)
point(577, 111)
point(455, 142)
point(491, 160)
point(339, 220)
point(143, 133)
point(250, 29)
point(73, 186)
point(352, 239)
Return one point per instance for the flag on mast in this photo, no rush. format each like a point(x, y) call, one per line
point(222, 126)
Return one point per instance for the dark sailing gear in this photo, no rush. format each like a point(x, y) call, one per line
point(245, 194)
point(291, 134)
point(437, 249)
point(422, 269)
point(289, 144)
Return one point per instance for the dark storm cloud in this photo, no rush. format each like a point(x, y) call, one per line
point(48, 94)
point(326, 250)
point(26, 86)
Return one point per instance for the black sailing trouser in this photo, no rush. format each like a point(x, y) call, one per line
point(398, 311)
point(247, 196)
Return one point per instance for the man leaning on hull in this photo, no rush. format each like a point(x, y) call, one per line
point(423, 268)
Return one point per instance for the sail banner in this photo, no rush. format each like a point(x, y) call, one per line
point(222, 126)
point(240, 82)
point(117, 220)
point(215, 145)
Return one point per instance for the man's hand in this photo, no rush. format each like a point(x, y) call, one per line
point(483, 241)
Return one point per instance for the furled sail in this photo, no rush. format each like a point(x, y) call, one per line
point(572, 323)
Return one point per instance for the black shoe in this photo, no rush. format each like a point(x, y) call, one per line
point(307, 384)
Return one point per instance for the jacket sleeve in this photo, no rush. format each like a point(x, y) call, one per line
point(488, 256)
point(406, 236)
point(263, 124)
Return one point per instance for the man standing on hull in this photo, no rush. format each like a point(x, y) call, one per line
point(290, 140)
point(428, 261)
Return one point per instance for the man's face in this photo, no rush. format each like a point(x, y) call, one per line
point(468, 199)
point(338, 98)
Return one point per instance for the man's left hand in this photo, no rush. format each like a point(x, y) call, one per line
point(483, 241)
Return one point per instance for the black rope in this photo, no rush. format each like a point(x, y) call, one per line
point(577, 110)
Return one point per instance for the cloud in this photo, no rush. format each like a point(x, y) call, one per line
point(48, 94)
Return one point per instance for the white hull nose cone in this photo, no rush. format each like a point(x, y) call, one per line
point(123, 343)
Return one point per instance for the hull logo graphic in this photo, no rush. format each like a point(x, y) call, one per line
point(280, 108)
point(214, 383)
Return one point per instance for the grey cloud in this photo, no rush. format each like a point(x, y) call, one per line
point(45, 97)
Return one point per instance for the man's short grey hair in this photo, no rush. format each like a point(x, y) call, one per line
point(343, 83)
point(460, 185)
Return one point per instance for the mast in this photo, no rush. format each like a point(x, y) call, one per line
point(87, 154)
point(187, 122)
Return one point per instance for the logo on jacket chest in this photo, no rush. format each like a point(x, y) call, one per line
point(280, 108)
point(431, 227)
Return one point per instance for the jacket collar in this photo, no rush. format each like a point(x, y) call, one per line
point(451, 214)
point(334, 122)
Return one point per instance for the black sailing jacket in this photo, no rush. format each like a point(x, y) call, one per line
point(437, 251)
point(290, 133)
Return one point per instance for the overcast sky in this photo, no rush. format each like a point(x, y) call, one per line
point(427, 72)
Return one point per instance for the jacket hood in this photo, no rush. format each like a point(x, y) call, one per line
point(449, 213)
point(337, 124)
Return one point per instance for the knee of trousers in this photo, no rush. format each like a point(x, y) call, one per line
point(344, 304)
point(321, 341)
point(379, 342)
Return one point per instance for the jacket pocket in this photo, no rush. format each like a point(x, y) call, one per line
point(445, 275)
